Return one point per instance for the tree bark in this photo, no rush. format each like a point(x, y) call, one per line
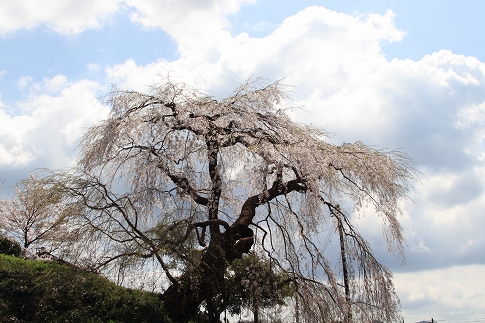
point(182, 301)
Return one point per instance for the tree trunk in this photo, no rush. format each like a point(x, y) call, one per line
point(183, 301)
point(256, 314)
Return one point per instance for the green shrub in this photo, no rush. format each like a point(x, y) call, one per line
point(38, 291)
point(9, 247)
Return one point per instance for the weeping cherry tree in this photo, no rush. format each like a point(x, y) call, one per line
point(191, 183)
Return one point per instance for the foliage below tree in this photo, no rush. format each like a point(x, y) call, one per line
point(251, 283)
point(179, 182)
point(37, 291)
point(9, 247)
point(255, 283)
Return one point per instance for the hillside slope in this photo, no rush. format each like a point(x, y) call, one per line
point(39, 291)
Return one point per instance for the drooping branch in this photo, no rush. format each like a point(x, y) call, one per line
point(345, 269)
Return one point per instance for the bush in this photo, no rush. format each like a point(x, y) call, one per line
point(38, 291)
point(9, 247)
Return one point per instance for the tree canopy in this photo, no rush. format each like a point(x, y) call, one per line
point(36, 214)
point(177, 180)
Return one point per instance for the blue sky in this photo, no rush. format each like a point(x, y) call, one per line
point(396, 74)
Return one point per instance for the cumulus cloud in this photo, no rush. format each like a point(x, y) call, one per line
point(456, 292)
point(314, 48)
point(45, 129)
point(449, 215)
point(62, 16)
point(195, 25)
point(412, 105)
point(24, 81)
point(93, 68)
point(442, 227)
point(185, 20)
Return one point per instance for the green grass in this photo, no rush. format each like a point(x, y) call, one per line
point(38, 291)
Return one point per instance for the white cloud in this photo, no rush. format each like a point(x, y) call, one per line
point(456, 293)
point(261, 26)
point(471, 115)
point(61, 16)
point(131, 76)
point(316, 48)
point(184, 20)
point(55, 84)
point(24, 81)
point(93, 68)
point(411, 105)
point(45, 131)
point(195, 25)
point(449, 215)
point(442, 227)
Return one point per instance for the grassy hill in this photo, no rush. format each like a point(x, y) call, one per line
point(39, 291)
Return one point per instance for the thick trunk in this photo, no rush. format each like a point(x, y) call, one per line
point(183, 301)
point(256, 314)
